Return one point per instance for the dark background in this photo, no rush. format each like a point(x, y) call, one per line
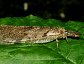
point(72, 9)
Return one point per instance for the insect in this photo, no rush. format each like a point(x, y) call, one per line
point(32, 34)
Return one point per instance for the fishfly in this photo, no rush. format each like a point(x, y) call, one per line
point(33, 34)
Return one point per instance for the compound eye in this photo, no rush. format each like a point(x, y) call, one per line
point(66, 32)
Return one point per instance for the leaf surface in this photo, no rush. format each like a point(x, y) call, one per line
point(71, 52)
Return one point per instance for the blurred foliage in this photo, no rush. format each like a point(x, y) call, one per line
point(67, 53)
point(58, 9)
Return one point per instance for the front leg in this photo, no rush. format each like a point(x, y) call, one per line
point(57, 43)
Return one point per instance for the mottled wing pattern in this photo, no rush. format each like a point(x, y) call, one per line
point(22, 34)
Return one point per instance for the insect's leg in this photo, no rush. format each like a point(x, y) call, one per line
point(66, 39)
point(57, 42)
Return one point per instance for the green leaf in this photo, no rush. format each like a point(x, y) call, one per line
point(69, 52)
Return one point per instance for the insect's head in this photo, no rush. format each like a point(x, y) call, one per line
point(72, 33)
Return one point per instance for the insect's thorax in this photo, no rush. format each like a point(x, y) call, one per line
point(58, 33)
